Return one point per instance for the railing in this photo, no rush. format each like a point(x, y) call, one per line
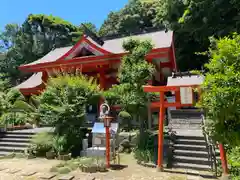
point(211, 149)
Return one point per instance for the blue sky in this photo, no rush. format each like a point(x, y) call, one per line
point(75, 11)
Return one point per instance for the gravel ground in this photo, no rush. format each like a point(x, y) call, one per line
point(132, 172)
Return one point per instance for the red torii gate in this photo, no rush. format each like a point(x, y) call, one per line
point(179, 102)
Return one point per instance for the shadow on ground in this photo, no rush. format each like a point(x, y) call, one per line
point(118, 167)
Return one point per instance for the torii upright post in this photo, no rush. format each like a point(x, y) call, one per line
point(160, 132)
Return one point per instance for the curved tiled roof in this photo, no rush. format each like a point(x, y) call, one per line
point(34, 81)
point(185, 80)
point(52, 55)
point(160, 39)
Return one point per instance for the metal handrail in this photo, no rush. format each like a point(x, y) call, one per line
point(211, 148)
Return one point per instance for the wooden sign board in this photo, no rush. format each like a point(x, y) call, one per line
point(186, 94)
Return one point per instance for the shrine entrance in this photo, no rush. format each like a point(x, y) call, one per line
point(183, 97)
point(184, 92)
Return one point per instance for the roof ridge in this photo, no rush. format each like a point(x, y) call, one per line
point(128, 34)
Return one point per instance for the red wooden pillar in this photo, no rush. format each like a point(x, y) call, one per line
point(223, 159)
point(160, 132)
point(102, 82)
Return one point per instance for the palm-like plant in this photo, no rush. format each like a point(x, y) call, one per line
point(30, 108)
point(14, 108)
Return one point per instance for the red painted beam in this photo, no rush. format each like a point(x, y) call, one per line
point(60, 61)
point(167, 104)
point(160, 88)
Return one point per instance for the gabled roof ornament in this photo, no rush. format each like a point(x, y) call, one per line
point(91, 34)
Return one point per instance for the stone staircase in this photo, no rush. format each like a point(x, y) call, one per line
point(14, 141)
point(190, 147)
point(191, 152)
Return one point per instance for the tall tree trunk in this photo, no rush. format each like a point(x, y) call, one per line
point(149, 114)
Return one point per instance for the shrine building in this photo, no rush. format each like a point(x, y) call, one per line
point(100, 58)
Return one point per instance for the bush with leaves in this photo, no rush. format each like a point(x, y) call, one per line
point(12, 109)
point(40, 144)
point(221, 91)
point(126, 120)
point(234, 162)
point(145, 148)
point(63, 106)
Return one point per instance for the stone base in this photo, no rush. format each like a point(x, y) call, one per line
point(95, 152)
point(225, 177)
point(159, 169)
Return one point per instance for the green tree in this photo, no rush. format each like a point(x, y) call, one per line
point(134, 72)
point(30, 41)
point(63, 106)
point(221, 90)
point(200, 20)
point(135, 16)
point(192, 21)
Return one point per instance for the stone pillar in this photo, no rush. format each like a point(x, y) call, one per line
point(84, 144)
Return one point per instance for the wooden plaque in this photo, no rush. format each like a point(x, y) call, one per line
point(186, 94)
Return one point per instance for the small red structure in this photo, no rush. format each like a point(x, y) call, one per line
point(184, 96)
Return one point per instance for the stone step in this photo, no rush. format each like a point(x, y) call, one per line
point(200, 167)
point(24, 136)
point(190, 153)
point(14, 144)
point(4, 153)
point(23, 140)
point(20, 132)
point(188, 137)
point(190, 142)
point(192, 160)
point(190, 147)
point(12, 149)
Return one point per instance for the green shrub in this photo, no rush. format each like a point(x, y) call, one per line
point(59, 144)
point(143, 155)
point(146, 147)
point(144, 150)
point(40, 144)
point(54, 169)
point(64, 170)
point(63, 106)
point(234, 162)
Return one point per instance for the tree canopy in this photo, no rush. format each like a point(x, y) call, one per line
point(135, 16)
point(38, 35)
point(192, 21)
